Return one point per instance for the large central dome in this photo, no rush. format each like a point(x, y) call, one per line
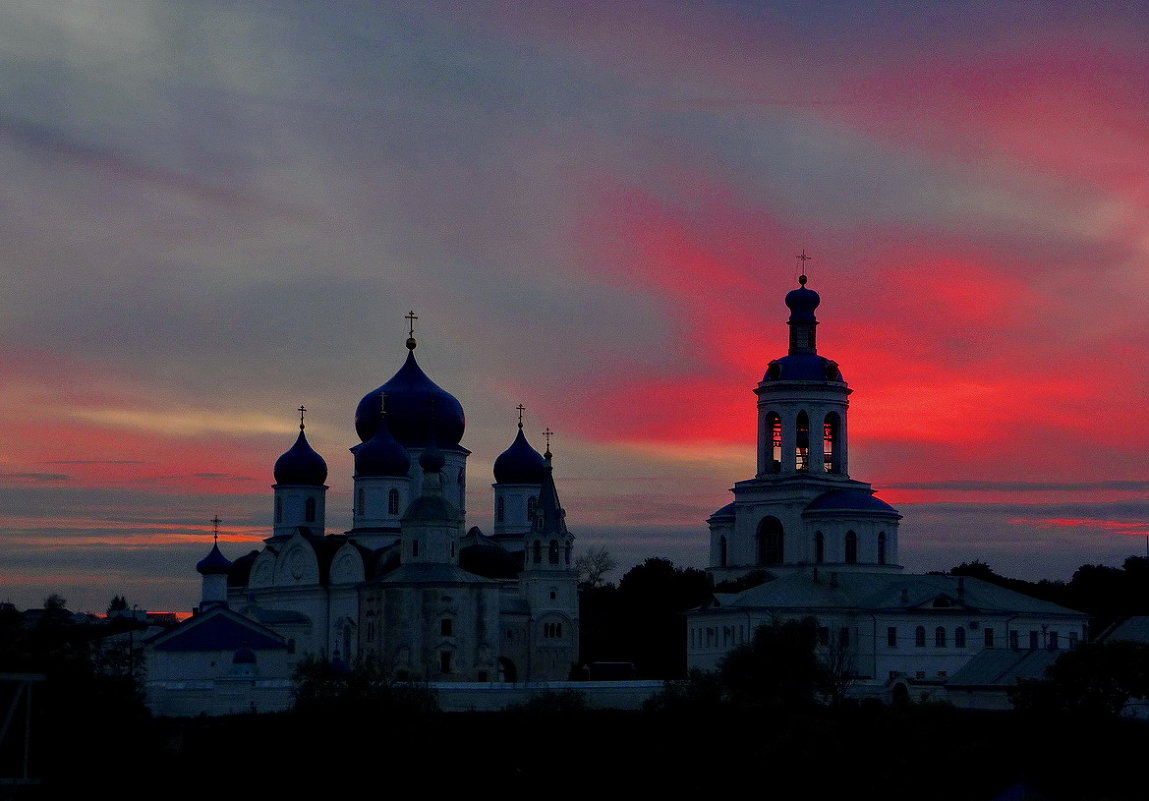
point(413, 402)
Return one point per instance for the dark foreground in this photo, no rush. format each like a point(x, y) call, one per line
point(559, 749)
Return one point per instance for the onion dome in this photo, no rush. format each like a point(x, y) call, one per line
point(802, 303)
point(214, 564)
point(301, 464)
point(520, 463)
point(432, 459)
point(381, 455)
point(410, 397)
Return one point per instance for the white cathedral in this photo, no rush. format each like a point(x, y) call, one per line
point(407, 585)
point(803, 539)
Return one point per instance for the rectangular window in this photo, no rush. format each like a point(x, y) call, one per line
point(892, 637)
point(1013, 643)
point(444, 661)
point(989, 638)
point(1033, 640)
point(1053, 643)
point(446, 627)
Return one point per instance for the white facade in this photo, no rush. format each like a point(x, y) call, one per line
point(827, 548)
point(408, 585)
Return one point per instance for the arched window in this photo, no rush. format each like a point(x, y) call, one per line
point(881, 547)
point(568, 554)
point(538, 552)
point(279, 510)
point(722, 551)
point(819, 547)
point(414, 547)
point(500, 510)
point(920, 637)
point(553, 552)
point(774, 427)
point(532, 507)
point(802, 443)
point(309, 510)
point(959, 637)
point(360, 501)
point(940, 636)
point(393, 502)
point(831, 460)
point(770, 541)
point(851, 548)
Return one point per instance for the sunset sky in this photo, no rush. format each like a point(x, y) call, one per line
point(213, 212)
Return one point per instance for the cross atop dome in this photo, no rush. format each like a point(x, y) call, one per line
point(411, 318)
point(802, 259)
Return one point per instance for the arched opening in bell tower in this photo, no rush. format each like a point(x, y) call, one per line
point(770, 541)
point(774, 427)
point(831, 434)
point(802, 443)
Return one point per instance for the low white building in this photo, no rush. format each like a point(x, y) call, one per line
point(827, 547)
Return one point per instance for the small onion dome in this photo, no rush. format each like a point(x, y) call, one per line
point(244, 656)
point(432, 459)
point(214, 564)
point(301, 465)
point(520, 463)
point(802, 303)
point(410, 394)
point(381, 455)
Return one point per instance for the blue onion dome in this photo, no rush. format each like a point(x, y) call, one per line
point(301, 464)
point(520, 463)
point(802, 302)
point(214, 564)
point(382, 455)
point(432, 459)
point(410, 396)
